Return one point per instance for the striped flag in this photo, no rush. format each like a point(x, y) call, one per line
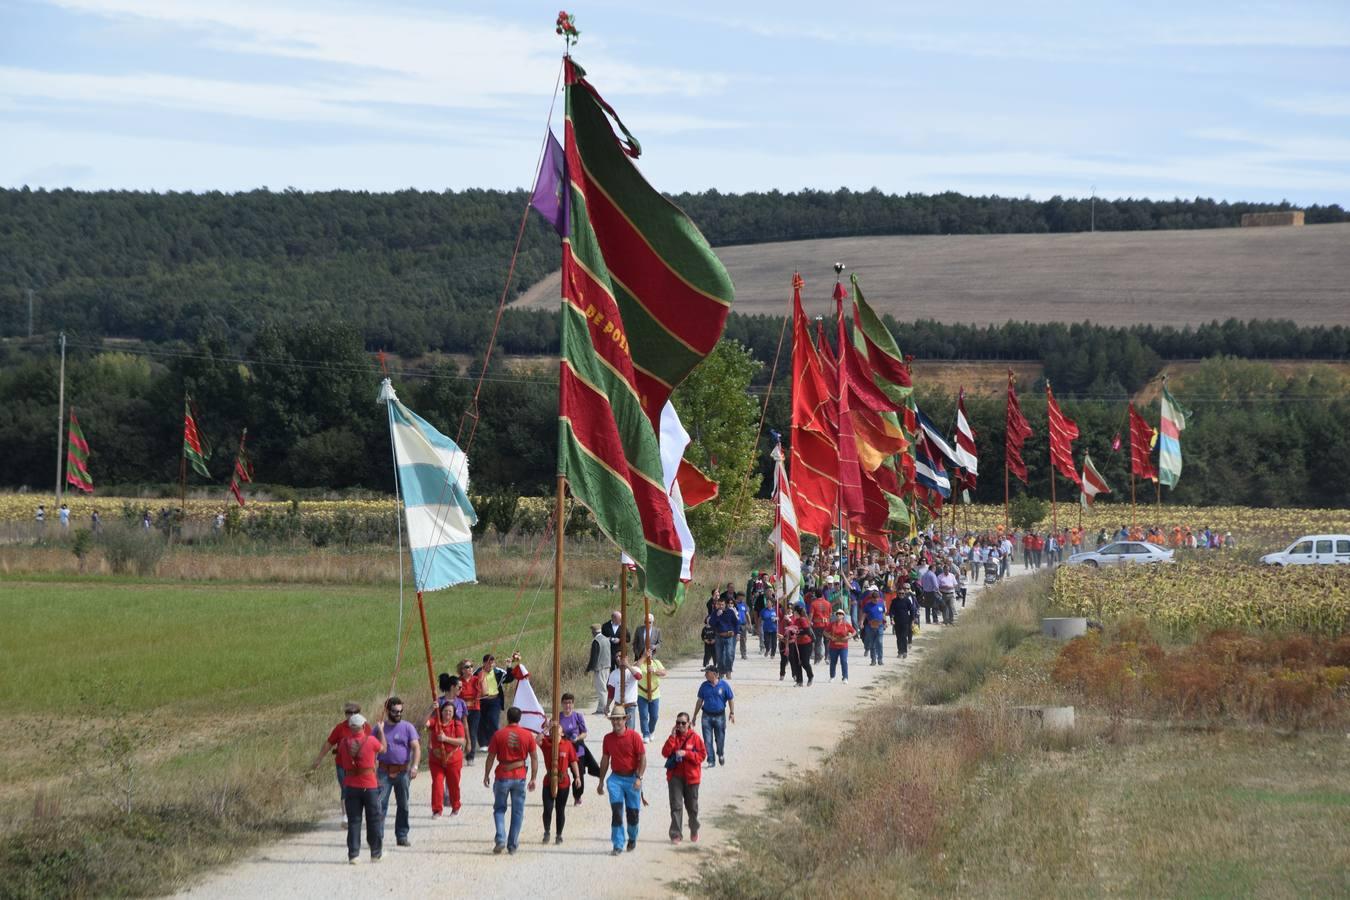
point(1093, 483)
point(243, 470)
point(1063, 432)
point(785, 539)
point(77, 458)
point(966, 456)
point(645, 300)
point(929, 471)
point(1171, 423)
point(433, 480)
point(194, 448)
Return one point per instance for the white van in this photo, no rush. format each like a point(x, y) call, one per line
point(1312, 550)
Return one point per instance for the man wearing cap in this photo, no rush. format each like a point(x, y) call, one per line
point(361, 789)
point(718, 704)
point(837, 635)
point(509, 748)
point(340, 730)
point(598, 666)
point(398, 763)
point(624, 751)
point(873, 616)
point(820, 619)
point(684, 752)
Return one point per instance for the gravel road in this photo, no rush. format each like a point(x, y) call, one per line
point(778, 728)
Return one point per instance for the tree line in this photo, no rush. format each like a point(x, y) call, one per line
point(418, 271)
point(307, 395)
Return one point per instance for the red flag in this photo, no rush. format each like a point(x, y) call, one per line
point(1063, 432)
point(695, 485)
point(814, 454)
point(1017, 432)
point(1115, 442)
point(243, 470)
point(1141, 446)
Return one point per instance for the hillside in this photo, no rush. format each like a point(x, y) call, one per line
point(1119, 278)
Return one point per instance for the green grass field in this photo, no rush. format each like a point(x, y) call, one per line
point(159, 726)
point(226, 670)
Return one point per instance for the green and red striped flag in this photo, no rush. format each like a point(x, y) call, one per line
point(194, 448)
point(77, 457)
point(644, 301)
point(243, 470)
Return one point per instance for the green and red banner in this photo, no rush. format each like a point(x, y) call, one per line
point(194, 448)
point(243, 470)
point(77, 458)
point(645, 300)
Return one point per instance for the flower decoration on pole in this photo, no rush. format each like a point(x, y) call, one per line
point(567, 27)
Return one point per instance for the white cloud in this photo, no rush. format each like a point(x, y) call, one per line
point(1329, 105)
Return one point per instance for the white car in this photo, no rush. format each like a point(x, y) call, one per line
point(1121, 553)
point(1312, 550)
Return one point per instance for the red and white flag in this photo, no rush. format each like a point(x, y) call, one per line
point(531, 710)
point(966, 456)
point(1093, 482)
point(785, 539)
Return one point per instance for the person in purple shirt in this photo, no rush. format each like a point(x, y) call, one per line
point(573, 725)
point(928, 584)
point(397, 767)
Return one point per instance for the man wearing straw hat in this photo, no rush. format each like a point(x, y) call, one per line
point(624, 751)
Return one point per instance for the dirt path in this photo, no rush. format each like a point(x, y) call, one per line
point(778, 727)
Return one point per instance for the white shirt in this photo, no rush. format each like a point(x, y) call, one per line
point(630, 689)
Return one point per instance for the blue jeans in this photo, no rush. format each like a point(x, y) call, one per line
point(514, 790)
point(359, 803)
point(624, 797)
point(839, 655)
point(648, 710)
point(398, 786)
point(489, 718)
point(726, 654)
point(872, 641)
point(715, 729)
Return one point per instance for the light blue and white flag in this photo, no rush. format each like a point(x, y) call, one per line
point(433, 478)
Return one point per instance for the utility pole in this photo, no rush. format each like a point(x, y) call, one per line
point(30, 312)
point(60, 415)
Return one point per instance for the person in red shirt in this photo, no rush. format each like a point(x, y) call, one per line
point(470, 690)
point(624, 751)
point(820, 619)
point(510, 747)
point(567, 769)
point(447, 735)
point(340, 731)
point(684, 753)
point(800, 646)
point(837, 635)
point(361, 788)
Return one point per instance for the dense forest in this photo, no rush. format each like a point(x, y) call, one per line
point(416, 271)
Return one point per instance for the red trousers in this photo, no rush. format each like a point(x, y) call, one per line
point(445, 779)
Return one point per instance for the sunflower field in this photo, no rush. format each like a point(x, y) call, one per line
point(1211, 593)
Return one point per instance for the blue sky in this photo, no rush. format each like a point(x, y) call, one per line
point(1224, 99)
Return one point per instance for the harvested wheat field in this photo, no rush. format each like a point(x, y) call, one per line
point(1112, 278)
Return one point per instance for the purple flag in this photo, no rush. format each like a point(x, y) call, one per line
point(550, 197)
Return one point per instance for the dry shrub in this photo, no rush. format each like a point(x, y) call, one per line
point(1226, 675)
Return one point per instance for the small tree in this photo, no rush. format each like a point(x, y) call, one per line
point(717, 410)
point(1025, 511)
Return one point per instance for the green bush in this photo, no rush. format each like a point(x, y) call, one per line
point(131, 548)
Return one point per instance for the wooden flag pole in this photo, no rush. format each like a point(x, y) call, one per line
point(60, 424)
point(555, 733)
point(426, 644)
point(1134, 514)
point(623, 633)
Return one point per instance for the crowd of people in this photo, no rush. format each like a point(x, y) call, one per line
point(921, 583)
